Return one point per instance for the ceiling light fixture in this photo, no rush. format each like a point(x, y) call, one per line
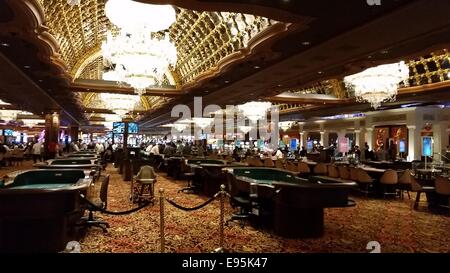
point(255, 110)
point(378, 84)
point(139, 54)
point(119, 103)
point(130, 15)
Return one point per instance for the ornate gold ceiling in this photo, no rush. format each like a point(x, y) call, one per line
point(93, 100)
point(203, 39)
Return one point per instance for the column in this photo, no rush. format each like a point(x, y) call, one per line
point(322, 138)
point(413, 144)
point(437, 141)
point(51, 134)
point(370, 137)
point(302, 139)
point(358, 138)
point(125, 138)
point(73, 132)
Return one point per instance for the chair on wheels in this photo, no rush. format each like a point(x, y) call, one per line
point(97, 205)
point(189, 175)
point(239, 198)
point(142, 185)
point(416, 187)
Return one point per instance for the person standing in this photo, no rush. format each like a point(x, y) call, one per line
point(36, 151)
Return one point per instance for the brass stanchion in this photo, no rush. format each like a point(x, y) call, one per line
point(161, 219)
point(223, 194)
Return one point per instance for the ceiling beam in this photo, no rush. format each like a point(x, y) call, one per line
point(100, 86)
point(19, 88)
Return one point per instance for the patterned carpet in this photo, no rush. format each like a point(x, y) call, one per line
point(393, 223)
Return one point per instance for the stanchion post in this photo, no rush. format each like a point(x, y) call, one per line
point(161, 219)
point(223, 194)
point(222, 207)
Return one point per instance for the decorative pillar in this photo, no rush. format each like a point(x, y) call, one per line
point(358, 138)
point(125, 137)
point(73, 132)
point(370, 137)
point(302, 143)
point(322, 133)
point(413, 144)
point(51, 134)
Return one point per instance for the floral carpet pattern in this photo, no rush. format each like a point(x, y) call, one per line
point(393, 223)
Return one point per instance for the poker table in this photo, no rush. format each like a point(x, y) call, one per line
point(82, 156)
point(39, 207)
point(90, 165)
point(298, 204)
point(207, 174)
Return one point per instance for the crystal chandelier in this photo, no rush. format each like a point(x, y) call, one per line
point(378, 84)
point(141, 59)
point(138, 54)
point(203, 122)
point(255, 110)
point(245, 129)
point(131, 15)
point(32, 122)
point(119, 103)
point(285, 125)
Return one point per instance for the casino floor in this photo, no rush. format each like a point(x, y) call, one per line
point(392, 223)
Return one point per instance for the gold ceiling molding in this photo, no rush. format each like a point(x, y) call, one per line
point(203, 39)
point(29, 23)
point(433, 68)
point(333, 87)
point(78, 29)
point(93, 100)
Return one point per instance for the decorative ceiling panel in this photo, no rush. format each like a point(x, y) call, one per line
point(93, 100)
point(203, 39)
point(94, 69)
point(78, 29)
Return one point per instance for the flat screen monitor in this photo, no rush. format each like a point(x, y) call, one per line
point(133, 128)
point(8, 132)
point(402, 146)
point(294, 144)
point(427, 146)
point(309, 145)
point(118, 127)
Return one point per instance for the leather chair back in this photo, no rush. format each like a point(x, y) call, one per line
point(389, 177)
point(442, 185)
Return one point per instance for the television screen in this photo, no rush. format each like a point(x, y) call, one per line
point(309, 145)
point(402, 146)
point(294, 144)
point(8, 132)
point(133, 128)
point(427, 146)
point(118, 127)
